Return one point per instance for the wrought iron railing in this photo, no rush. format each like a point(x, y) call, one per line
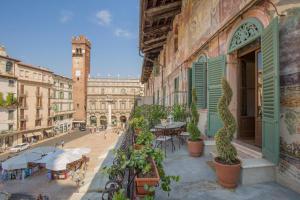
point(179, 97)
point(123, 179)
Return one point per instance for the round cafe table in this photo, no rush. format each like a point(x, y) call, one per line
point(167, 132)
point(172, 125)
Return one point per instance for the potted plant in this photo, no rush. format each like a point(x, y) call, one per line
point(227, 165)
point(145, 138)
point(138, 123)
point(195, 142)
point(179, 113)
point(147, 176)
point(120, 195)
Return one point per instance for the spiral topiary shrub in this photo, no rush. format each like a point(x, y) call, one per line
point(227, 153)
point(193, 124)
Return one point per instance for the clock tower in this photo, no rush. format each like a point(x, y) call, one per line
point(81, 47)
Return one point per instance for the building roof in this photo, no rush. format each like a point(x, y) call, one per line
point(156, 20)
point(35, 67)
point(62, 76)
point(9, 58)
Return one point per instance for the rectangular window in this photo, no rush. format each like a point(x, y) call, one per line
point(176, 90)
point(61, 95)
point(11, 83)
point(38, 122)
point(21, 73)
point(10, 115)
point(10, 127)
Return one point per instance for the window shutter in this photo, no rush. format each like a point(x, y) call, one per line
point(200, 83)
point(270, 102)
point(215, 72)
point(190, 78)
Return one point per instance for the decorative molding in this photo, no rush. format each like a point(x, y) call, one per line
point(245, 33)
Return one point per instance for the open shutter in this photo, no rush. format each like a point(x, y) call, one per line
point(200, 84)
point(270, 102)
point(190, 78)
point(215, 72)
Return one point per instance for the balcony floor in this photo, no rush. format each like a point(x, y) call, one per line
point(198, 182)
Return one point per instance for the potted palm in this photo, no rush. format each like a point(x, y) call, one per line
point(195, 142)
point(227, 165)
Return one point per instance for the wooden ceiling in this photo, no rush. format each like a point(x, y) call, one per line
point(156, 21)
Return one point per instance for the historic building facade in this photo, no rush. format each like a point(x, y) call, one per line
point(8, 100)
point(34, 110)
point(62, 103)
point(199, 42)
point(110, 100)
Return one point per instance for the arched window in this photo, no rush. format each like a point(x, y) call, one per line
point(245, 33)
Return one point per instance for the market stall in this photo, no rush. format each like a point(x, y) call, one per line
point(20, 166)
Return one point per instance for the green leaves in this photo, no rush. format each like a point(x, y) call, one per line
point(120, 195)
point(146, 137)
point(179, 113)
point(226, 151)
point(138, 123)
point(192, 127)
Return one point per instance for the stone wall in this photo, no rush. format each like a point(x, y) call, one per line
point(289, 166)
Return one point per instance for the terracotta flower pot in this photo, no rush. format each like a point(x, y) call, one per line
point(138, 146)
point(195, 148)
point(137, 130)
point(228, 175)
point(140, 182)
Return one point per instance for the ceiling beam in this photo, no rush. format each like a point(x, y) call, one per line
point(147, 42)
point(163, 8)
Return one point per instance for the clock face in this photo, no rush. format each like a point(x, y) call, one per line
point(77, 73)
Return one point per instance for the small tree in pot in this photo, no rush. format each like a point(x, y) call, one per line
point(195, 143)
point(226, 163)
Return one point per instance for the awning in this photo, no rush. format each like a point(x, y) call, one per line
point(28, 135)
point(37, 134)
point(49, 131)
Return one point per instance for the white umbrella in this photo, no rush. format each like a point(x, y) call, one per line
point(49, 156)
point(21, 161)
point(59, 162)
point(43, 150)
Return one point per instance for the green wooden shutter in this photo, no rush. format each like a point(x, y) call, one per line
point(200, 83)
point(190, 78)
point(215, 72)
point(270, 102)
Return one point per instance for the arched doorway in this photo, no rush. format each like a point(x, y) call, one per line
point(103, 121)
point(93, 120)
point(257, 52)
point(123, 121)
point(114, 121)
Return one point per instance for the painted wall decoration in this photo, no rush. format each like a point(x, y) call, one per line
point(292, 121)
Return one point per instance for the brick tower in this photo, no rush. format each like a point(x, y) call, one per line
point(81, 47)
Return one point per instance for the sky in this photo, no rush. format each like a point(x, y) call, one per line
point(39, 32)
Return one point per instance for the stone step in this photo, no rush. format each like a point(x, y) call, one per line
point(257, 170)
point(248, 151)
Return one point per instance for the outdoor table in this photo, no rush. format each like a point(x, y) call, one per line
point(173, 125)
point(168, 129)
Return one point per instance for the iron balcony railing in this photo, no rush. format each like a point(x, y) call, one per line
point(179, 97)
